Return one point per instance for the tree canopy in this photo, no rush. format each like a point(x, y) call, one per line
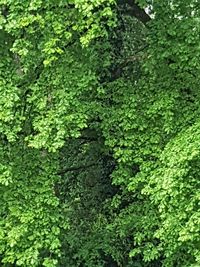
point(100, 133)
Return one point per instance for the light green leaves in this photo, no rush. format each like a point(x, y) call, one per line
point(99, 134)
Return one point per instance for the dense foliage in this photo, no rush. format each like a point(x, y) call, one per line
point(100, 133)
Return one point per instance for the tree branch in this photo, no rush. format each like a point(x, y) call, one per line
point(76, 168)
point(117, 72)
point(135, 10)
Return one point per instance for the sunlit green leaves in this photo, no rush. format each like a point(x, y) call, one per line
point(99, 134)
